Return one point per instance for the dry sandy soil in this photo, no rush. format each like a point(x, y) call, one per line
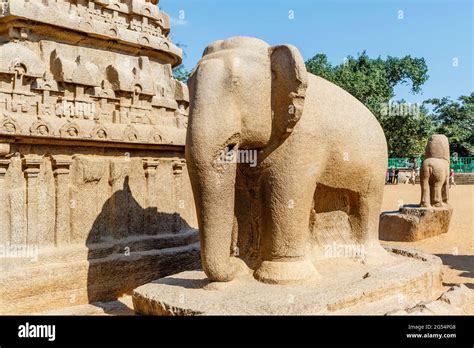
point(455, 248)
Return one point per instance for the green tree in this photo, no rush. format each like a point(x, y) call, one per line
point(455, 119)
point(407, 135)
point(180, 73)
point(372, 81)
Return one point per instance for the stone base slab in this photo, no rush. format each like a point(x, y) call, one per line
point(455, 301)
point(412, 223)
point(78, 275)
point(345, 286)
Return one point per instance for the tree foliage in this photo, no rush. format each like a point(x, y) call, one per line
point(180, 73)
point(455, 119)
point(407, 135)
point(372, 81)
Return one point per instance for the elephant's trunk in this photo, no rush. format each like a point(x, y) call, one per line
point(213, 127)
point(213, 186)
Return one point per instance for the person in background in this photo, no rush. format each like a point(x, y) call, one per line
point(395, 177)
point(412, 177)
point(390, 175)
point(387, 176)
point(451, 178)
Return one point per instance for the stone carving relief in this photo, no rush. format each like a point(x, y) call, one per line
point(129, 19)
point(40, 128)
point(71, 130)
point(55, 83)
point(99, 132)
point(9, 125)
point(87, 96)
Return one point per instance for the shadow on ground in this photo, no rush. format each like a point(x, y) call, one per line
point(462, 263)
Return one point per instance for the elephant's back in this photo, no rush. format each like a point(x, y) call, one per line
point(351, 131)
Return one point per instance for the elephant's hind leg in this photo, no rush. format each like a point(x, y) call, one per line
point(425, 186)
point(446, 190)
point(437, 194)
point(365, 224)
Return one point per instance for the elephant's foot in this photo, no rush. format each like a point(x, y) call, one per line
point(425, 205)
point(285, 272)
point(240, 269)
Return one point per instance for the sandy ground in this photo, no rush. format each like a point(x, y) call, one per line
point(455, 248)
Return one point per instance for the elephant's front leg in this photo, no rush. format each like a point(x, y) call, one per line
point(287, 198)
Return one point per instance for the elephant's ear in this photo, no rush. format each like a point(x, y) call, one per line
point(289, 83)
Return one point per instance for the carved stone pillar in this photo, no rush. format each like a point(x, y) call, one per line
point(4, 237)
point(178, 166)
point(31, 169)
point(150, 165)
point(61, 169)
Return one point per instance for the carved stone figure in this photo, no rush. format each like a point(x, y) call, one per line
point(434, 172)
point(309, 134)
point(9, 127)
point(283, 165)
point(432, 216)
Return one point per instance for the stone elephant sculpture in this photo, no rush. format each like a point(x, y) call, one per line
point(434, 172)
point(307, 134)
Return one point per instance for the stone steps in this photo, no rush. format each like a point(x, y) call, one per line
point(72, 279)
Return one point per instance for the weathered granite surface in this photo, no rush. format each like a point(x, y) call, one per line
point(93, 180)
point(432, 216)
point(434, 172)
point(313, 181)
point(412, 223)
point(95, 70)
point(342, 287)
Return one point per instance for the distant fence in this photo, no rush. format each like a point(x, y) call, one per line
point(459, 164)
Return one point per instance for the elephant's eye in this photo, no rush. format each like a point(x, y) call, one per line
point(230, 151)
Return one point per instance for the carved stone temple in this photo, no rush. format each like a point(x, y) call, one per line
point(95, 198)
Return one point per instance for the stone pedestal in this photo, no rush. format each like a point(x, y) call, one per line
point(344, 286)
point(412, 223)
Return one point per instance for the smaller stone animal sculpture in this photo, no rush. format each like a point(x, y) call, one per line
point(434, 173)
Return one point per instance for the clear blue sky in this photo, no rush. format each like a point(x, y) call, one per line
point(441, 31)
